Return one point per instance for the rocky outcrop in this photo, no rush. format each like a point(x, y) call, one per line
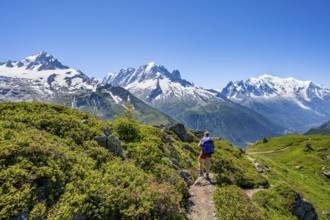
point(110, 142)
point(182, 133)
point(303, 209)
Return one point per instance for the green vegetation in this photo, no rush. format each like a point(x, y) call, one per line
point(297, 163)
point(233, 167)
point(232, 203)
point(276, 202)
point(51, 168)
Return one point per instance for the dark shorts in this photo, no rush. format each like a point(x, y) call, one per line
point(204, 156)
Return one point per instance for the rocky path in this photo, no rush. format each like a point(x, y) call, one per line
point(271, 151)
point(201, 200)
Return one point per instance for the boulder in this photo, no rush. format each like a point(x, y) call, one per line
point(304, 209)
point(299, 167)
point(327, 158)
point(326, 213)
point(111, 143)
point(186, 175)
point(258, 167)
point(327, 174)
point(85, 121)
point(182, 133)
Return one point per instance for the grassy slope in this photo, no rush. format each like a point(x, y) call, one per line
point(309, 180)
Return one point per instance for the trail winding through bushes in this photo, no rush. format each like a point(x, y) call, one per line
point(201, 205)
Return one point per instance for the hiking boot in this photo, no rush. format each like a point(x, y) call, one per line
point(200, 173)
point(207, 176)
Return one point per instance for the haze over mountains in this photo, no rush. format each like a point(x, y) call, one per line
point(242, 112)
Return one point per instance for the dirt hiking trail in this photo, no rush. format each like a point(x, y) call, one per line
point(201, 205)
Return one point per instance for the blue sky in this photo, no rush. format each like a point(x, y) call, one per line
point(210, 42)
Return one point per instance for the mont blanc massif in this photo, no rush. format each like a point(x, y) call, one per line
point(241, 113)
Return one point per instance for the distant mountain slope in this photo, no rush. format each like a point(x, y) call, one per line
point(43, 78)
point(324, 129)
point(194, 106)
point(296, 105)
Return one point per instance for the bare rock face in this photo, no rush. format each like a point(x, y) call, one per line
point(303, 209)
point(182, 133)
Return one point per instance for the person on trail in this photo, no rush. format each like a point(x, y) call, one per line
point(207, 149)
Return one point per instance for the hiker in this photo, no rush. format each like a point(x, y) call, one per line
point(207, 149)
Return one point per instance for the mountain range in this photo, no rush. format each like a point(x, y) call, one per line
point(294, 104)
point(242, 112)
point(196, 107)
point(43, 78)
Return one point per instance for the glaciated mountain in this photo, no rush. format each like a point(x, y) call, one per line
point(197, 108)
point(43, 78)
point(296, 105)
point(157, 86)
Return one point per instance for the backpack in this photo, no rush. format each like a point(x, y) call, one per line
point(207, 145)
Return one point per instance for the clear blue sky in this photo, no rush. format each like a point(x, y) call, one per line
point(210, 42)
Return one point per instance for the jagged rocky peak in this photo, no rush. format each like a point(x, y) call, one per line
point(150, 71)
point(43, 61)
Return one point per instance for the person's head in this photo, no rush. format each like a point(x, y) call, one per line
point(206, 134)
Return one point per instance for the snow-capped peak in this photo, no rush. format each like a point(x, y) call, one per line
point(154, 82)
point(268, 86)
point(42, 69)
point(39, 61)
point(38, 56)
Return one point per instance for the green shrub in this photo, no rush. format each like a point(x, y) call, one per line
point(51, 168)
point(127, 127)
point(231, 203)
point(234, 168)
point(277, 201)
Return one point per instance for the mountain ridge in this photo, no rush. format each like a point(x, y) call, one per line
point(299, 104)
point(41, 77)
point(194, 106)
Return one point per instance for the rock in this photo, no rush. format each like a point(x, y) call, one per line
point(327, 158)
point(258, 167)
point(326, 213)
point(299, 167)
point(167, 140)
point(327, 174)
point(189, 148)
point(85, 121)
point(111, 143)
point(303, 209)
point(186, 175)
point(198, 134)
point(267, 168)
point(322, 168)
point(202, 181)
point(173, 161)
point(182, 133)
